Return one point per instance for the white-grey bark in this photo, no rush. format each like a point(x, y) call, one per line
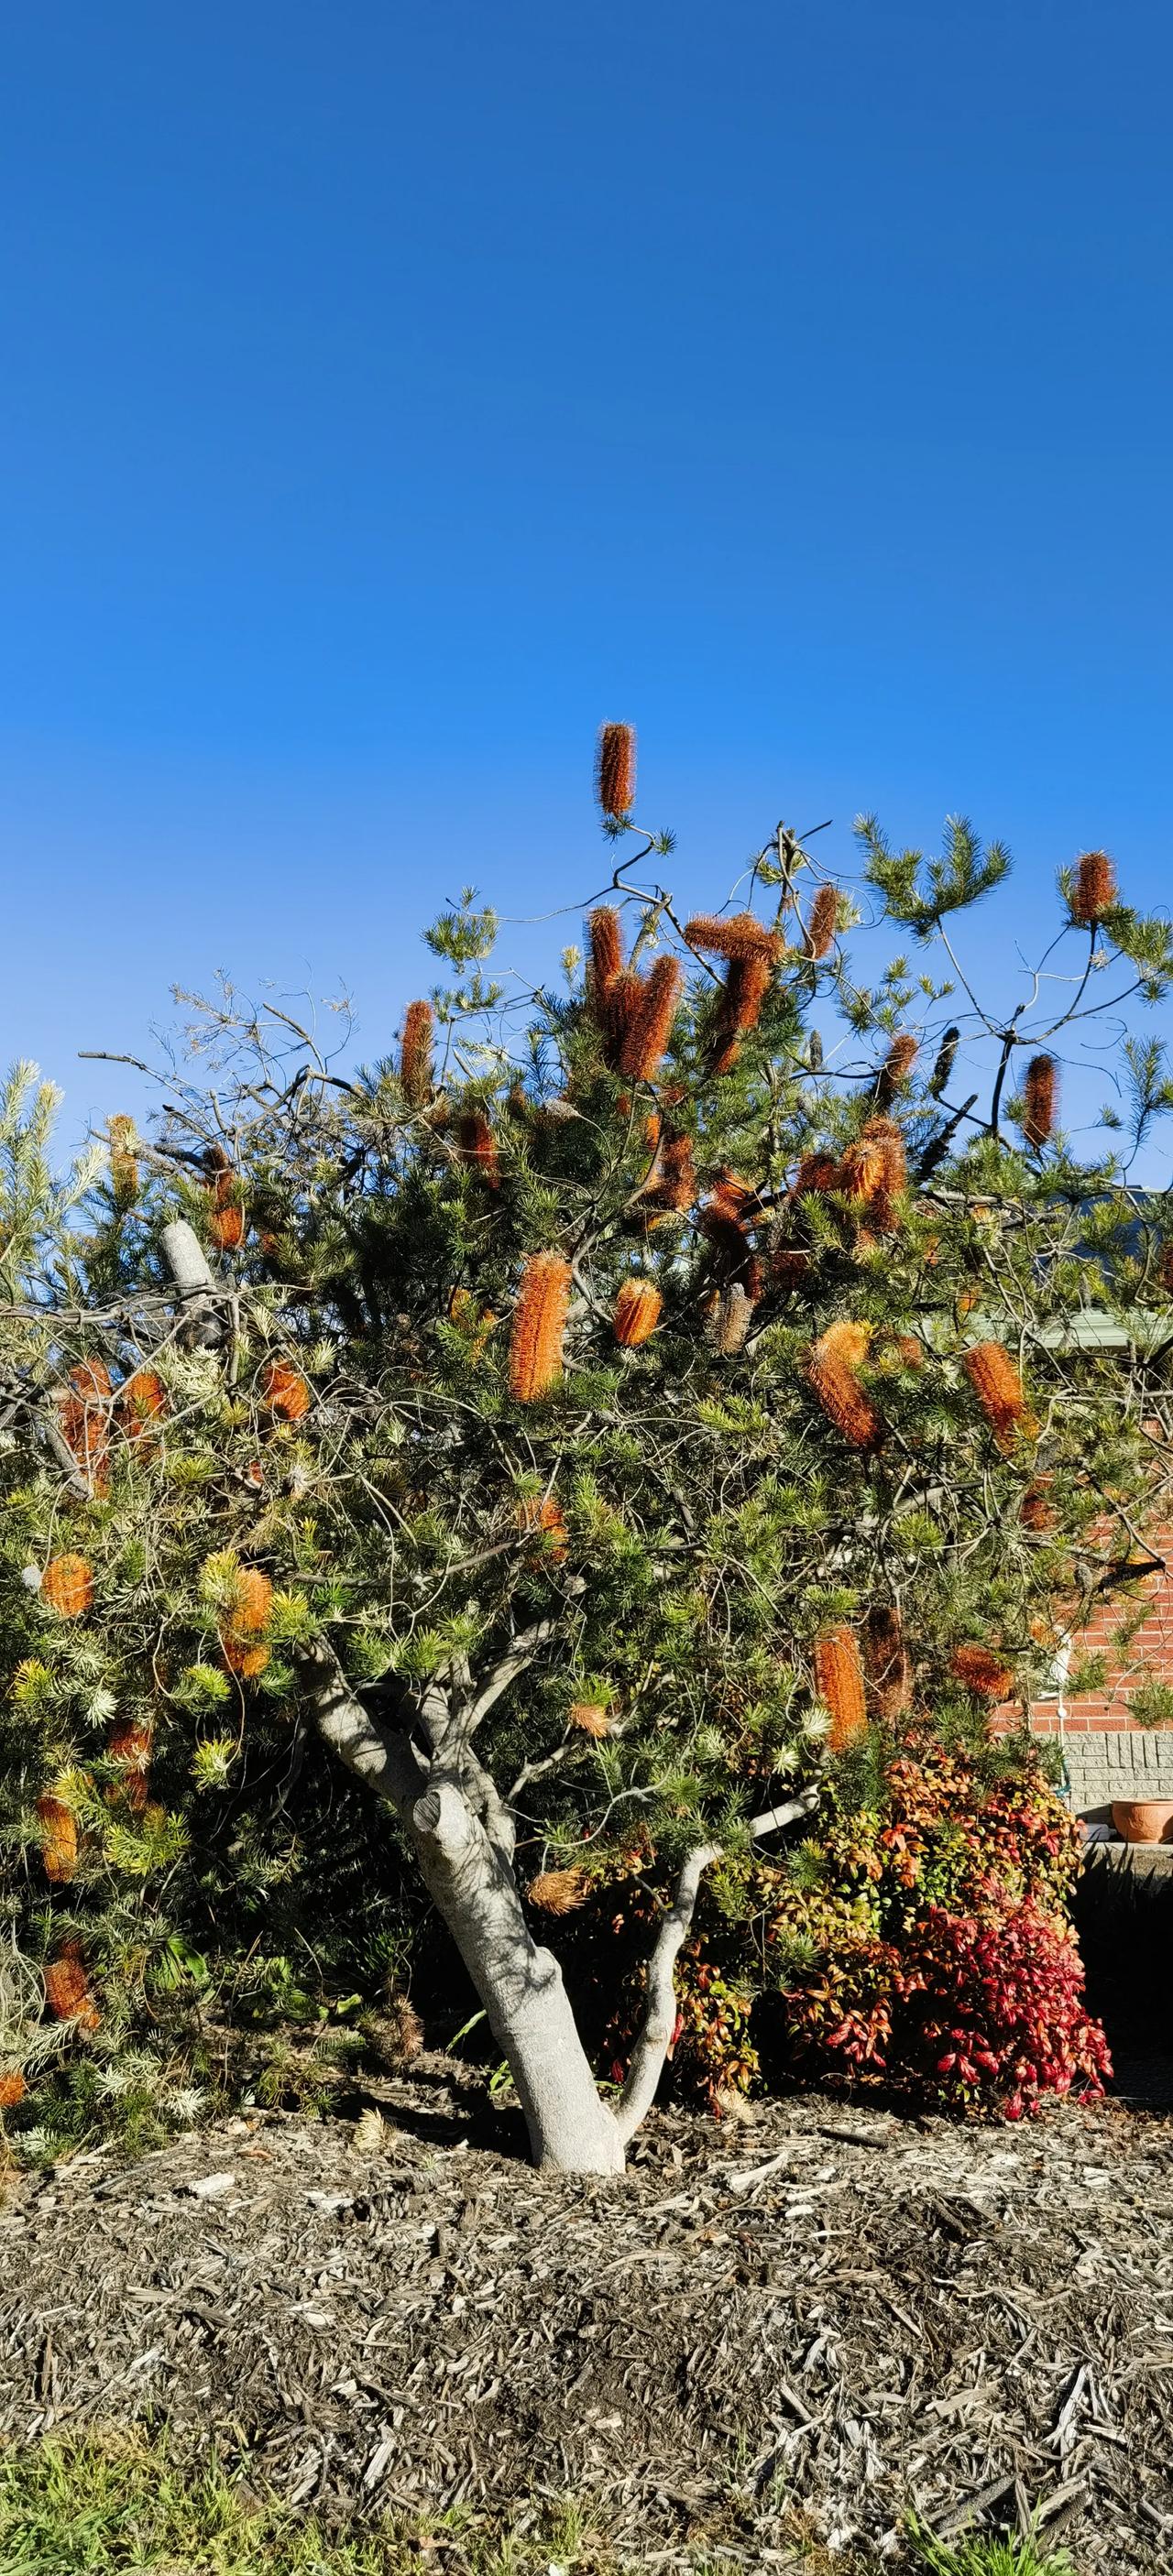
point(187, 1262)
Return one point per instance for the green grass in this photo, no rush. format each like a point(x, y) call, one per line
point(121, 2508)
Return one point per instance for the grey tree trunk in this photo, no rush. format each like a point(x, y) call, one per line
point(472, 1885)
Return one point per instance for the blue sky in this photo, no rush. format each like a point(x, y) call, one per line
point(393, 393)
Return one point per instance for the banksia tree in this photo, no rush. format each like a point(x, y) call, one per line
point(317, 1555)
point(415, 1053)
point(539, 1327)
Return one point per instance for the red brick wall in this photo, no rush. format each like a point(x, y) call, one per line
point(1148, 1657)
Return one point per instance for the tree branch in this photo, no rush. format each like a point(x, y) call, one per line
point(655, 2038)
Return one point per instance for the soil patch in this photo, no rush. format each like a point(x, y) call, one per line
point(828, 2314)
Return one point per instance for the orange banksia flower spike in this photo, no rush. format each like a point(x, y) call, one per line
point(58, 1840)
point(123, 1160)
point(746, 985)
point(226, 1222)
point(672, 1186)
point(67, 1988)
point(67, 1584)
point(84, 1417)
point(823, 922)
point(606, 938)
point(837, 1389)
point(1038, 1511)
point(558, 1891)
point(544, 1518)
point(539, 1327)
point(815, 1172)
point(840, 1686)
point(734, 935)
point(649, 1024)
point(998, 1388)
point(1094, 891)
point(250, 1610)
point(12, 2087)
point(638, 1308)
point(141, 1400)
point(846, 1341)
point(1038, 1097)
point(284, 1391)
point(982, 1672)
point(590, 1719)
point(889, 1671)
point(897, 1064)
point(615, 770)
point(415, 1054)
point(474, 1137)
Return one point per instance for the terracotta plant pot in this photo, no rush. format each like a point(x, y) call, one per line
point(1144, 1820)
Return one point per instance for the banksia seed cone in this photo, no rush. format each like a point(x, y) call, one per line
point(1094, 891)
point(889, 1671)
point(823, 922)
point(615, 770)
point(946, 1059)
point(12, 2087)
point(650, 1018)
point(998, 1388)
point(790, 1269)
point(58, 1840)
point(68, 1586)
point(842, 1398)
point(982, 1672)
point(415, 1054)
point(67, 1988)
point(558, 1891)
point(1038, 1096)
point(898, 1062)
point(637, 1313)
point(130, 1747)
point(123, 1161)
point(284, 1391)
point(589, 1718)
point(141, 1400)
point(474, 1137)
point(839, 1683)
point(730, 1322)
point(606, 937)
point(539, 1326)
point(543, 1517)
point(741, 935)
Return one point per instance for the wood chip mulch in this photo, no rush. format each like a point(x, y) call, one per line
point(833, 2315)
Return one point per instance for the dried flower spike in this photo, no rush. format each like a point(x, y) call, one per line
point(840, 1686)
point(123, 1161)
point(68, 1586)
point(415, 1054)
point(539, 1326)
point(1038, 1097)
point(897, 1064)
point(615, 770)
point(823, 922)
point(1094, 891)
point(886, 1660)
point(637, 1312)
